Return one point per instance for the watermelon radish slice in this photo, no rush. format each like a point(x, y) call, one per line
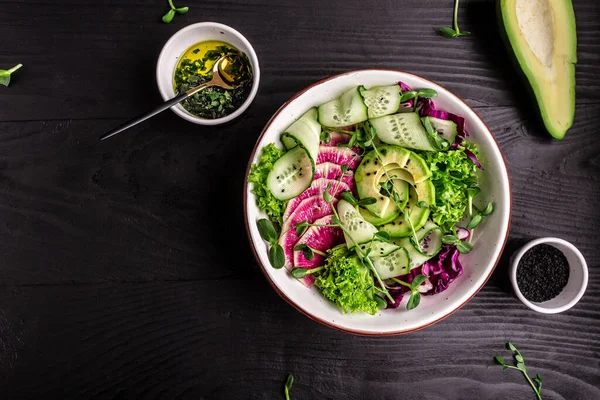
point(336, 138)
point(320, 238)
point(316, 188)
point(333, 171)
point(309, 210)
point(339, 156)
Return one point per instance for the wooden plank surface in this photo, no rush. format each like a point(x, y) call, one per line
point(125, 270)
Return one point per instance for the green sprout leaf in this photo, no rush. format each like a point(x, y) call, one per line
point(406, 96)
point(427, 93)
point(325, 137)
point(511, 347)
point(6, 74)
point(168, 17)
point(301, 227)
point(418, 281)
point(382, 236)
point(489, 209)
point(381, 303)
point(350, 198)
point(288, 386)
point(414, 300)
point(475, 221)
point(367, 201)
point(519, 358)
point(464, 247)
point(422, 204)
point(327, 196)
point(521, 367)
point(267, 230)
point(276, 256)
point(450, 239)
point(182, 10)
point(452, 33)
point(499, 360)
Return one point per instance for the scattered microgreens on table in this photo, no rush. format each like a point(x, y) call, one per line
point(288, 386)
point(537, 387)
point(168, 17)
point(269, 234)
point(452, 33)
point(5, 74)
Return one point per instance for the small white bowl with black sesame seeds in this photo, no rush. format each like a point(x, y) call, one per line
point(576, 283)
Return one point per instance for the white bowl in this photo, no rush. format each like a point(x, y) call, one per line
point(183, 40)
point(489, 239)
point(576, 285)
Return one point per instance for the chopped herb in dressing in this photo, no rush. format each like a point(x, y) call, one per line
point(195, 68)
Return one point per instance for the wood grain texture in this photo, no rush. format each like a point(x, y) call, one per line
point(234, 338)
point(74, 55)
point(125, 271)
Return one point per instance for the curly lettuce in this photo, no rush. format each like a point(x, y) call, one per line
point(258, 177)
point(453, 174)
point(347, 282)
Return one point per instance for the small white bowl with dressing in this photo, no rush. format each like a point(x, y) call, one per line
point(189, 36)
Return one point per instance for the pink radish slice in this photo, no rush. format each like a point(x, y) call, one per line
point(339, 156)
point(333, 171)
point(321, 238)
point(316, 188)
point(309, 210)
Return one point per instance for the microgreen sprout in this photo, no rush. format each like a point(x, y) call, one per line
point(415, 295)
point(269, 234)
point(462, 246)
point(452, 33)
point(520, 360)
point(5, 74)
point(288, 386)
point(168, 17)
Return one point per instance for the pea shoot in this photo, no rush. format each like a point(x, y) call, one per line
point(168, 17)
point(269, 234)
point(288, 386)
point(6, 74)
point(452, 33)
point(537, 386)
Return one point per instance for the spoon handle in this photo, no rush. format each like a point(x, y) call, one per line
point(167, 104)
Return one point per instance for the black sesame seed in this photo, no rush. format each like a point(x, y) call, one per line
point(542, 273)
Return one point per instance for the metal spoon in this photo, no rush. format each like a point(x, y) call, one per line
point(224, 75)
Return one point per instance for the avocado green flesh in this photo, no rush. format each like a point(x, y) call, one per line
point(541, 36)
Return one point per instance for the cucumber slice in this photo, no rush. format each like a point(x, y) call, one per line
point(381, 100)
point(360, 230)
point(394, 264)
point(440, 142)
point(305, 131)
point(416, 258)
point(404, 129)
point(430, 239)
point(291, 174)
point(445, 128)
point(378, 249)
point(349, 109)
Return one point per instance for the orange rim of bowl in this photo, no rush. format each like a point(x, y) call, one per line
point(290, 301)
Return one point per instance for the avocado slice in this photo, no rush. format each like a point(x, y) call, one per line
point(540, 35)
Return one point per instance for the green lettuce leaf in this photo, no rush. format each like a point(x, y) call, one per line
point(453, 173)
point(347, 282)
point(258, 177)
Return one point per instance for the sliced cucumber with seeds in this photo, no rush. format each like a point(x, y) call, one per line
point(349, 109)
point(445, 128)
point(305, 131)
point(394, 264)
point(430, 239)
point(381, 100)
point(416, 258)
point(359, 229)
point(404, 129)
point(291, 174)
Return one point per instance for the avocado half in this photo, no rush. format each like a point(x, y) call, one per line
point(541, 36)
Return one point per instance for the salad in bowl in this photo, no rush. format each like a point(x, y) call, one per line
point(370, 201)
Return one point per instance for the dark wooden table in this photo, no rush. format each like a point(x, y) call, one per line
point(125, 269)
